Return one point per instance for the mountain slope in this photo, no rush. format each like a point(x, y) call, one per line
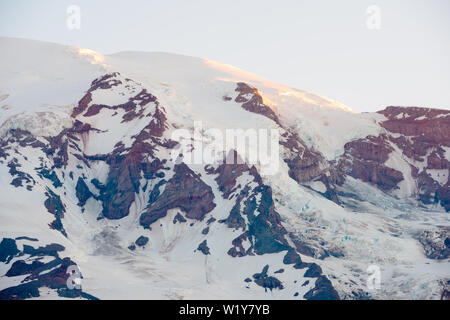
point(88, 140)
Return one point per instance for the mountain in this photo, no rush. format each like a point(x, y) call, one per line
point(93, 176)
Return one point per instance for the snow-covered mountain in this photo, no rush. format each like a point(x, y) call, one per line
point(88, 178)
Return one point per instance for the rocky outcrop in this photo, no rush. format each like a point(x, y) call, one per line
point(203, 248)
point(55, 206)
point(304, 163)
point(252, 101)
point(127, 164)
point(8, 249)
point(436, 243)
point(82, 192)
point(365, 159)
point(141, 241)
point(425, 125)
point(266, 281)
point(185, 190)
point(424, 133)
point(52, 274)
point(323, 290)
point(263, 230)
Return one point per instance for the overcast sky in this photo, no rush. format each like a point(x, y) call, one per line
point(322, 46)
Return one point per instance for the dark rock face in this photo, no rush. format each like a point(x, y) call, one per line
point(314, 271)
point(82, 192)
point(53, 274)
point(26, 238)
point(21, 178)
point(292, 257)
point(48, 250)
point(425, 133)
point(323, 290)
point(125, 171)
point(55, 206)
point(420, 134)
point(50, 175)
point(445, 294)
point(436, 243)
point(141, 241)
point(184, 190)
point(203, 248)
point(126, 164)
point(432, 124)
point(264, 229)
point(105, 82)
point(59, 147)
point(364, 159)
point(8, 249)
point(179, 218)
point(304, 164)
point(267, 282)
point(443, 195)
point(252, 101)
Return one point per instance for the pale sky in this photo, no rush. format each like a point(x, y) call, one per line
point(323, 46)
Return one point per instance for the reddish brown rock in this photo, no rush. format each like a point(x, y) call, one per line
point(252, 101)
point(365, 159)
point(432, 124)
point(185, 190)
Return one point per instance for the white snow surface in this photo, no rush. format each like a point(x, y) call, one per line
point(46, 77)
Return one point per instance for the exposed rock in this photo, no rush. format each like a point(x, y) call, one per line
point(52, 274)
point(314, 271)
point(8, 250)
point(82, 192)
point(26, 238)
point(436, 243)
point(323, 290)
point(365, 159)
point(252, 101)
point(267, 282)
point(432, 124)
point(292, 257)
point(55, 206)
point(264, 229)
point(51, 249)
point(304, 164)
point(445, 295)
point(21, 178)
point(179, 218)
point(141, 241)
point(238, 249)
point(443, 194)
point(185, 190)
point(50, 175)
point(203, 248)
